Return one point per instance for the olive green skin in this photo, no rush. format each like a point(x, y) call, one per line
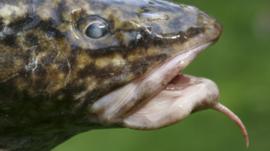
point(51, 72)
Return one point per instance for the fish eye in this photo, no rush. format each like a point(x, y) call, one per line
point(96, 30)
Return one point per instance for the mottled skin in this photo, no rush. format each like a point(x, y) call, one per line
point(51, 72)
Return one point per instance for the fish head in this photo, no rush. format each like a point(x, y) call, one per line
point(114, 42)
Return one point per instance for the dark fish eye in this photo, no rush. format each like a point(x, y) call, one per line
point(96, 30)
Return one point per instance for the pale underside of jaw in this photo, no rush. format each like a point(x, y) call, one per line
point(162, 98)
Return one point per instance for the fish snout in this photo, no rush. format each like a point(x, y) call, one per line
point(178, 21)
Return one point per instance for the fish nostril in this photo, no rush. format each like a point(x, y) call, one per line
point(154, 29)
point(149, 28)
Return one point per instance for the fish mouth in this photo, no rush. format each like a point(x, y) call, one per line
point(171, 94)
point(164, 95)
point(125, 105)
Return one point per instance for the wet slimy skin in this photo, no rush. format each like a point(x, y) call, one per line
point(68, 66)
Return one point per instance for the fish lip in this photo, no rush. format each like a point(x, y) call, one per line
point(195, 50)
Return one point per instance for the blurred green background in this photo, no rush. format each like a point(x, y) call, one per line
point(239, 63)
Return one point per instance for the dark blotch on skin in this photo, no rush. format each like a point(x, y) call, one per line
point(49, 28)
point(10, 41)
point(194, 31)
point(139, 66)
point(31, 40)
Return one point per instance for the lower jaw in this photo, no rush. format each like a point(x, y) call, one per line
point(179, 99)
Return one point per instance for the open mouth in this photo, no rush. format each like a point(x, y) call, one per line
point(163, 96)
point(117, 105)
point(174, 94)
